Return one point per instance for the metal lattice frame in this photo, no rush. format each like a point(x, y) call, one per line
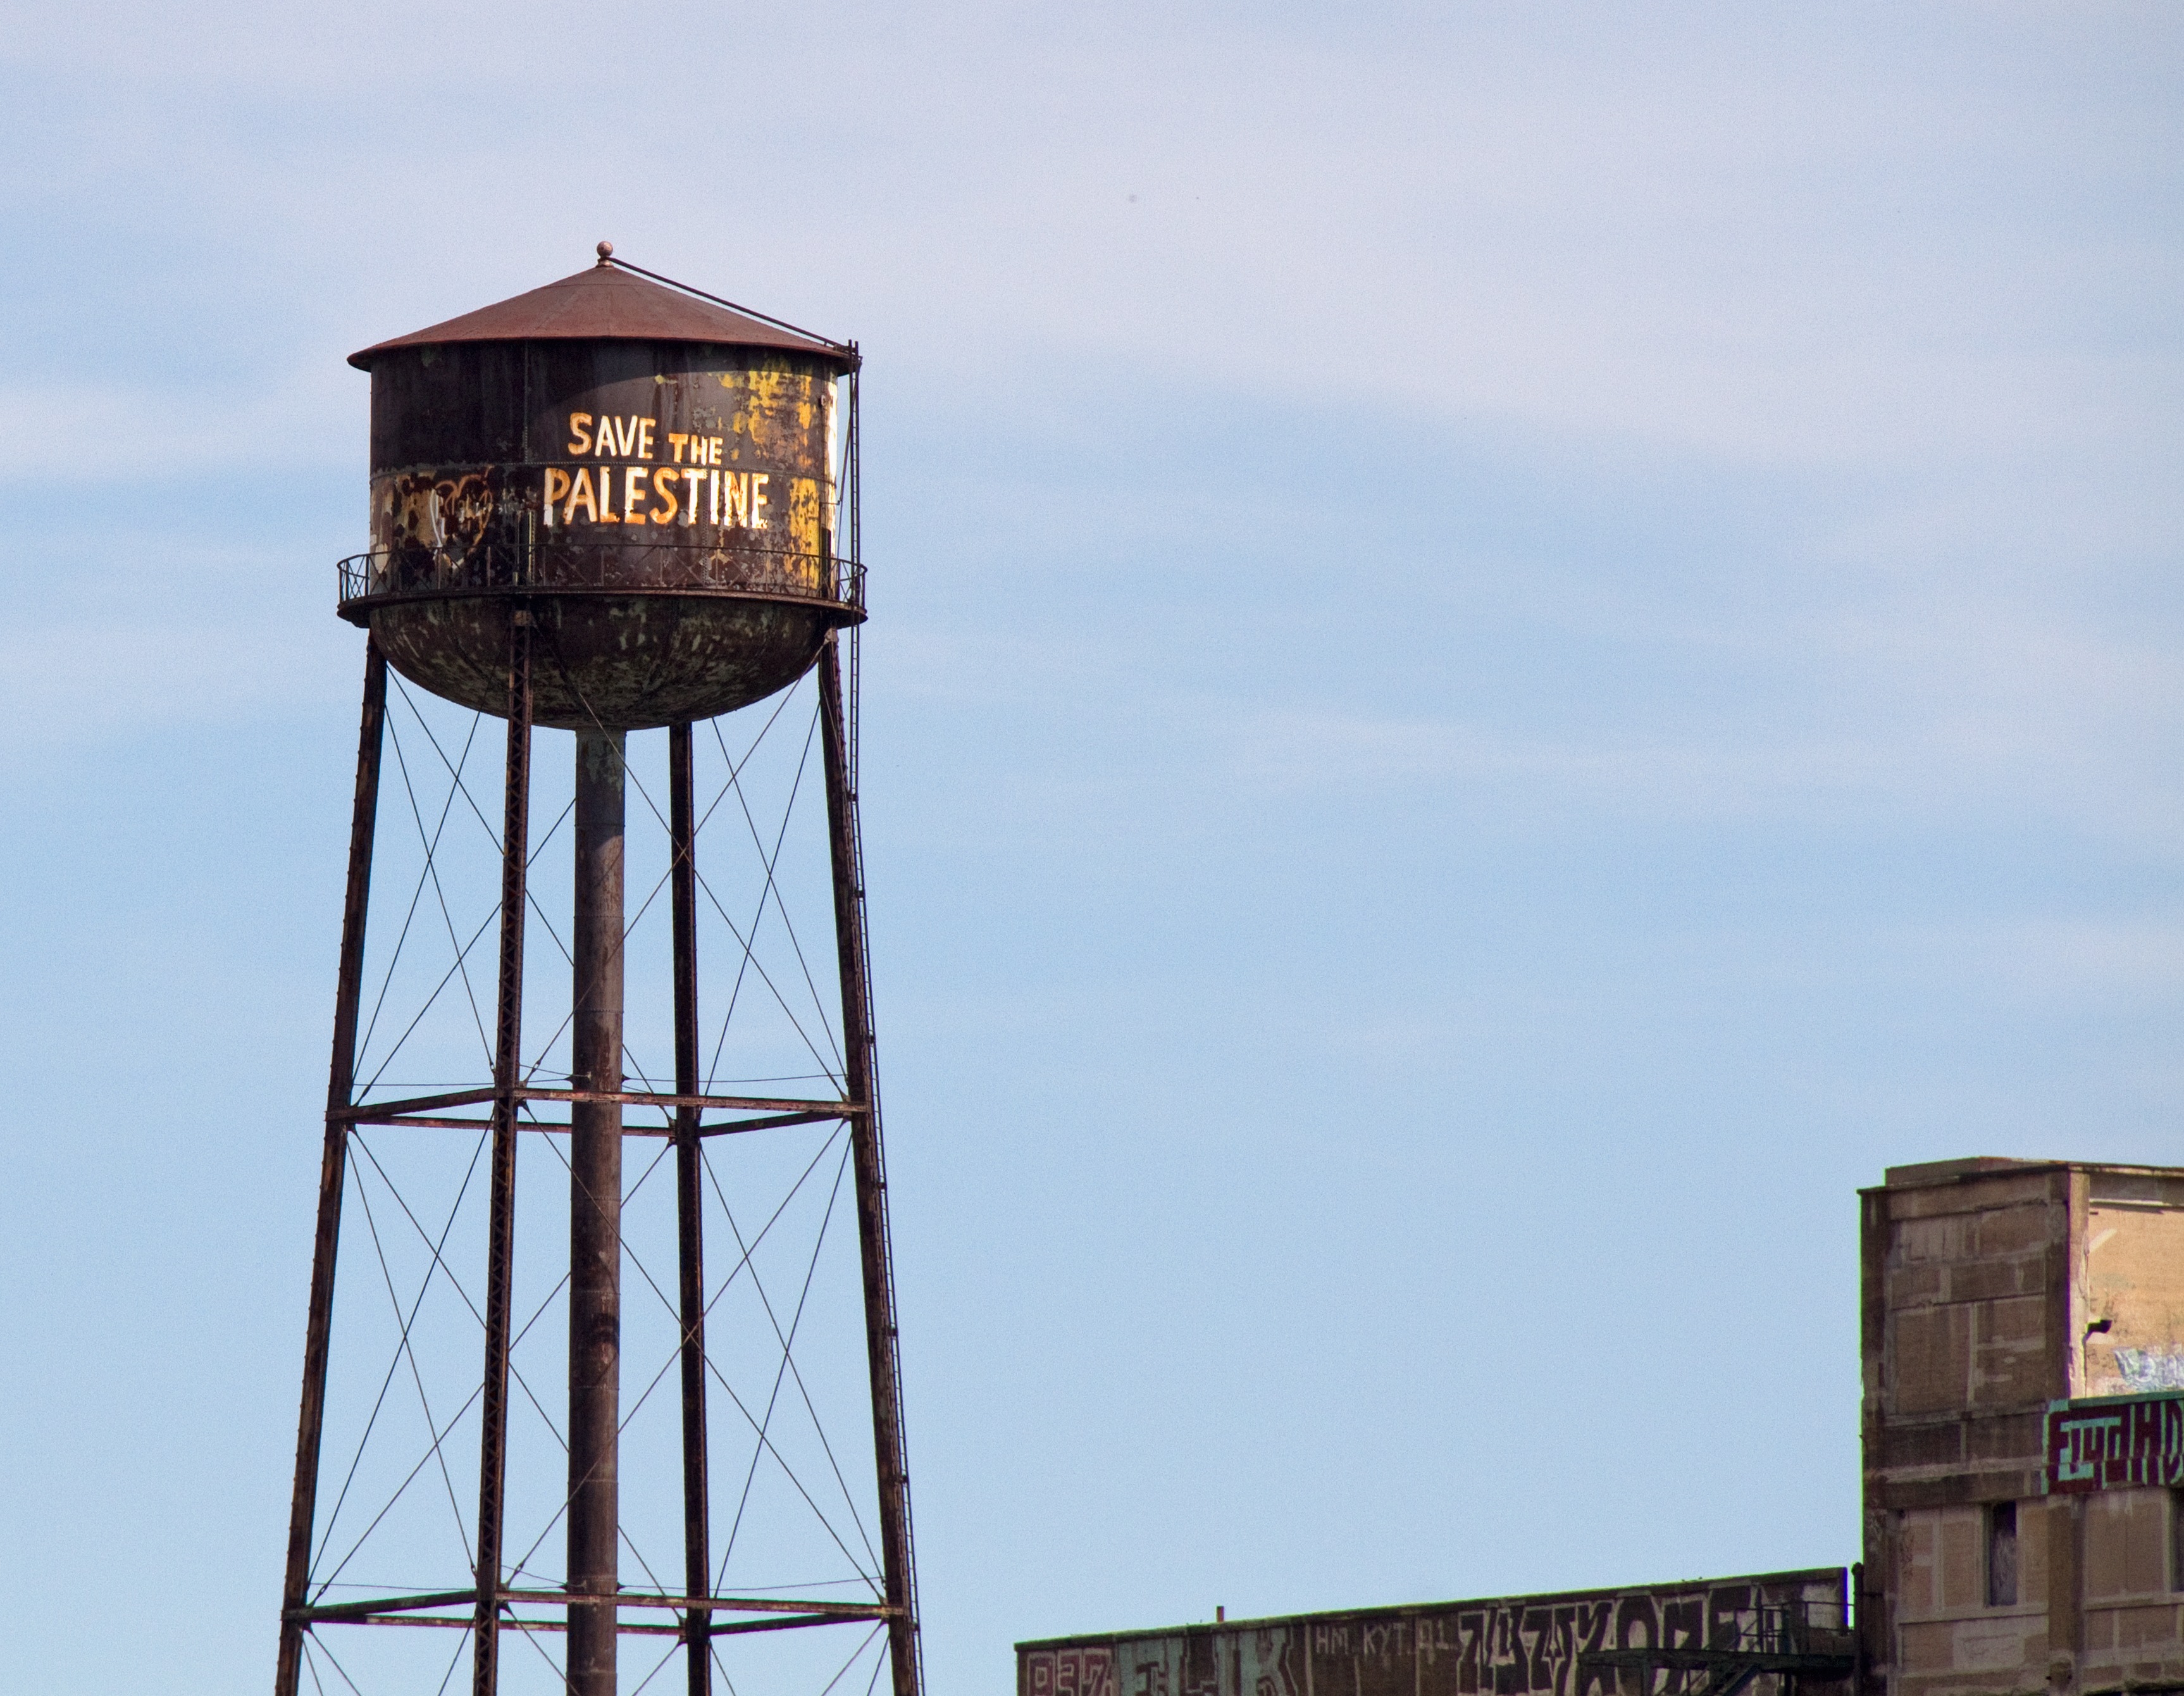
point(698, 1613)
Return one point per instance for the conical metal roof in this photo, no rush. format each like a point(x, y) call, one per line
point(610, 303)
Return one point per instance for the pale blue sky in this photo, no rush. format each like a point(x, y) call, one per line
point(1513, 646)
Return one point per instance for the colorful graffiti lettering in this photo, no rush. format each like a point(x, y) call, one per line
point(1525, 1646)
point(2115, 1445)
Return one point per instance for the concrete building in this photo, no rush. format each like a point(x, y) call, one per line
point(2023, 1344)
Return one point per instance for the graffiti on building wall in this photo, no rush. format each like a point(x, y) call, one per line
point(2113, 1445)
point(1516, 1646)
point(2150, 1369)
point(2133, 1283)
point(1258, 1662)
point(1069, 1672)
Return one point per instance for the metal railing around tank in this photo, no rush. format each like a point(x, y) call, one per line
point(633, 568)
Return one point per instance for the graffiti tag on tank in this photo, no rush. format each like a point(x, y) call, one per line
point(698, 478)
point(692, 480)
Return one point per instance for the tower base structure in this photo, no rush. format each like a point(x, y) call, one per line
point(593, 1115)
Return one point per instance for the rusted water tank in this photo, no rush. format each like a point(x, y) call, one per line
point(651, 477)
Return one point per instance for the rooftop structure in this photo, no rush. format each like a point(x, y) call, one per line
point(1718, 1636)
point(2023, 1345)
point(2022, 1348)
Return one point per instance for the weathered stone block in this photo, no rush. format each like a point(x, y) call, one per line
point(1988, 1192)
point(2009, 1436)
point(1941, 1444)
point(1947, 1238)
point(1930, 1648)
point(1917, 1547)
point(1980, 1281)
point(1991, 1645)
point(2014, 1230)
point(1931, 1357)
point(2126, 1532)
point(2142, 1628)
point(1964, 1568)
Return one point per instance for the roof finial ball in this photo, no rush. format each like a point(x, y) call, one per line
point(606, 252)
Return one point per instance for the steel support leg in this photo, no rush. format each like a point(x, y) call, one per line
point(501, 1227)
point(333, 1166)
point(689, 1213)
point(595, 1219)
point(836, 733)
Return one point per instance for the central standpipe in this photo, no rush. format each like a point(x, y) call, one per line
point(595, 1216)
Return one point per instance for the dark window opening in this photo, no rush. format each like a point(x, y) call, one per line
point(2002, 1555)
point(2176, 1539)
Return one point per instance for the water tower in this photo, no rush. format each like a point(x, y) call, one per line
point(610, 506)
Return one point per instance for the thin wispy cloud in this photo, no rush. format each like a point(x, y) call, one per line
point(1492, 628)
